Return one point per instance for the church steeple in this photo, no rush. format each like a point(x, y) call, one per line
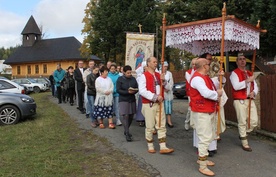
point(31, 33)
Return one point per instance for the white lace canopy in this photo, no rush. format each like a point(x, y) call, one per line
point(205, 36)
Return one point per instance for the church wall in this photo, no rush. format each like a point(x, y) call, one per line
point(51, 67)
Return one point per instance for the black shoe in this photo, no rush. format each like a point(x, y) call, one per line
point(82, 111)
point(211, 153)
point(170, 125)
point(214, 151)
point(128, 134)
point(78, 108)
point(128, 138)
point(87, 115)
point(71, 104)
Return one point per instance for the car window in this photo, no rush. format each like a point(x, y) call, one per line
point(25, 81)
point(32, 80)
point(5, 85)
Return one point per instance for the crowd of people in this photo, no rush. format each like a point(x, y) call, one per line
point(111, 92)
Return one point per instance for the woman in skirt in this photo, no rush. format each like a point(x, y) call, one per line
point(104, 98)
point(127, 87)
point(168, 94)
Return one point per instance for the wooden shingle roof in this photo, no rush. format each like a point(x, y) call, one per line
point(31, 27)
point(56, 49)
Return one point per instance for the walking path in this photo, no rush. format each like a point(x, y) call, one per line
point(231, 160)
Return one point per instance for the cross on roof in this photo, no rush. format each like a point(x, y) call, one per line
point(140, 28)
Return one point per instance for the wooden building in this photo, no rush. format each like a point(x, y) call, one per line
point(39, 57)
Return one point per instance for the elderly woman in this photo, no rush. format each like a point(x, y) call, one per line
point(168, 94)
point(104, 98)
point(127, 87)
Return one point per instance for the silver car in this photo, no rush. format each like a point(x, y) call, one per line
point(29, 82)
point(11, 87)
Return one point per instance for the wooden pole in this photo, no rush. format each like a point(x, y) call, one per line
point(221, 62)
point(162, 60)
point(251, 88)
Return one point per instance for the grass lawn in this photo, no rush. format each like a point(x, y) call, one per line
point(51, 144)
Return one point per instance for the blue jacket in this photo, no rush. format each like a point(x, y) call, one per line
point(58, 76)
point(114, 77)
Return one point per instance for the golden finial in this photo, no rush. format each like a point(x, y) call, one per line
point(258, 24)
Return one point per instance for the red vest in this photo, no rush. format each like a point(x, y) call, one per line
point(188, 83)
point(199, 103)
point(241, 94)
point(150, 84)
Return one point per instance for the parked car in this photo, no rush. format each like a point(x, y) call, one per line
point(29, 82)
point(8, 86)
point(43, 81)
point(179, 89)
point(15, 106)
point(2, 77)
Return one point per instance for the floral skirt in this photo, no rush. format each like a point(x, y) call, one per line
point(103, 112)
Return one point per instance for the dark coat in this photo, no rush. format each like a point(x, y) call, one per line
point(79, 79)
point(90, 81)
point(122, 86)
point(69, 81)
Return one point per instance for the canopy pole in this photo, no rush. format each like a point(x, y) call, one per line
point(251, 88)
point(221, 63)
point(162, 61)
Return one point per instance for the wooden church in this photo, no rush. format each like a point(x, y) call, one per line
point(39, 57)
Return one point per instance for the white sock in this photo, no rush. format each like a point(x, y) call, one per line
point(150, 146)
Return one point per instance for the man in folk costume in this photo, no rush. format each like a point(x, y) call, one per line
point(204, 100)
point(188, 74)
point(244, 88)
point(213, 73)
point(152, 99)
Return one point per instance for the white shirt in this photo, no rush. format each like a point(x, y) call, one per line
point(199, 84)
point(81, 70)
point(143, 89)
point(189, 76)
point(237, 85)
point(168, 77)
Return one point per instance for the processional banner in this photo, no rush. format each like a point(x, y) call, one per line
point(139, 47)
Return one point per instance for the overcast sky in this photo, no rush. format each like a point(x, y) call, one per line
point(59, 18)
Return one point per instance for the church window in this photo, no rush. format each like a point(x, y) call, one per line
point(45, 69)
point(36, 69)
point(29, 69)
point(18, 70)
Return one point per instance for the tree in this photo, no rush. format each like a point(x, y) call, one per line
point(107, 21)
point(6, 53)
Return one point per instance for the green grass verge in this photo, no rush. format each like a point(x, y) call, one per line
point(51, 144)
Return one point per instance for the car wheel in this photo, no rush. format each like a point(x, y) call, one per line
point(36, 89)
point(179, 97)
point(9, 114)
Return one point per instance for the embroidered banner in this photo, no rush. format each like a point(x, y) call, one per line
point(138, 48)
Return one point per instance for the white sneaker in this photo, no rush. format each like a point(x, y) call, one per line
point(119, 123)
point(187, 126)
